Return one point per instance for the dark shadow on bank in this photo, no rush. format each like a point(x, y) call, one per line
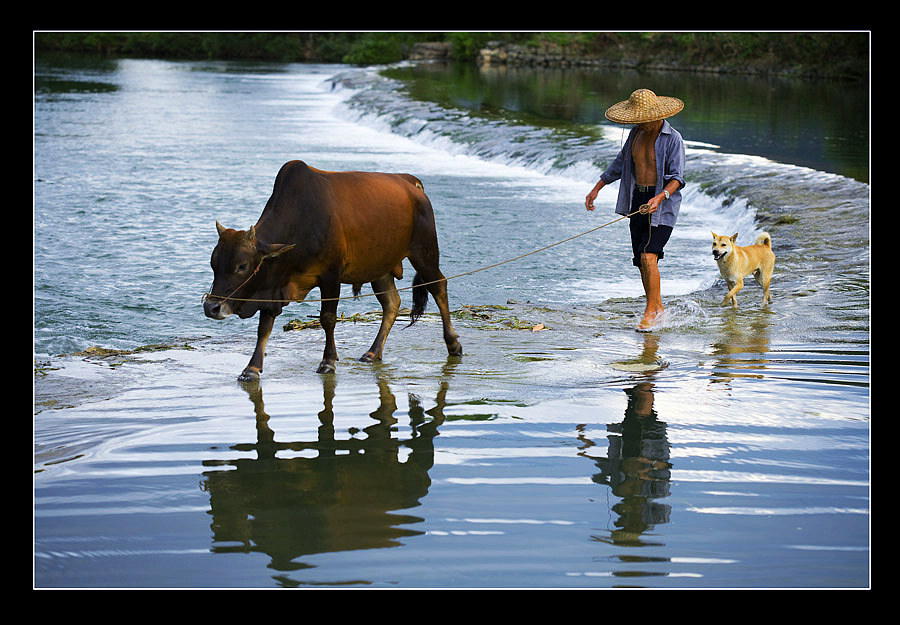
point(328, 495)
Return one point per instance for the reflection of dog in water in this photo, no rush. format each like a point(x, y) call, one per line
point(736, 262)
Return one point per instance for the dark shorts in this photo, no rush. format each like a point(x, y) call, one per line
point(644, 238)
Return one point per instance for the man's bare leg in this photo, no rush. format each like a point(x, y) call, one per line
point(650, 280)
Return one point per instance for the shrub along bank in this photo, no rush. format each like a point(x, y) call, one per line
point(843, 55)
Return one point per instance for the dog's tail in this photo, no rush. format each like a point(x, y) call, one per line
point(764, 239)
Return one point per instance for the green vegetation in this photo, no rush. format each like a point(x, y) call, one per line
point(844, 54)
point(349, 47)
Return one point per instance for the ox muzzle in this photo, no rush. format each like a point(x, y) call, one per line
point(216, 307)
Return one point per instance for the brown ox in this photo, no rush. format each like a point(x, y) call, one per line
point(321, 229)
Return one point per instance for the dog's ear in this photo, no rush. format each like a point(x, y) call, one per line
point(734, 237)
point(715, 236)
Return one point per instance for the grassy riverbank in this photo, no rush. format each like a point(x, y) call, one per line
point(820, 54)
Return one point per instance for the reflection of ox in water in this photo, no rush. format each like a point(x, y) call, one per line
point(322, 229)
point(300, 498)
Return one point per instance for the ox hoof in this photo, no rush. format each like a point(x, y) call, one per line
point(249, 375)
point(368, 357)
point(455, 350)
point(325, 367)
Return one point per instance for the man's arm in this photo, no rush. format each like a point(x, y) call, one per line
point(671, 187)
point(673, 171)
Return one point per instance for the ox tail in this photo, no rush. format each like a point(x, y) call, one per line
point(420, 299)
point(764, 239)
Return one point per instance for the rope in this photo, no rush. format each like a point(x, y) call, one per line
point(641, 210)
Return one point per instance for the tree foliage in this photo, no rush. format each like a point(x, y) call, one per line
point(835, 53)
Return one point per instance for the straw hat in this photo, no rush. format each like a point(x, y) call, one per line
point(643, 106)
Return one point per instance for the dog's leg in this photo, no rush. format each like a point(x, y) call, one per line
point(762, 279)
point(731, 295)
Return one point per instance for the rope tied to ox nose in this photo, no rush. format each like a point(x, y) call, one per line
point(643, 210)
point(207, 295)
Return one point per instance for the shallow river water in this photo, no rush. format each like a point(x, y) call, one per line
point(563, 450)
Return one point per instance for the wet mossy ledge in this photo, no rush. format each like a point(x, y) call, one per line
point(115, 356)
point(485, 316)
point(104, 352)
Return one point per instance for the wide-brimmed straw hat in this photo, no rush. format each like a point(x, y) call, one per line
point(643, 106)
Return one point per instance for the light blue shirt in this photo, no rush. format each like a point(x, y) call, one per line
point(669, 166)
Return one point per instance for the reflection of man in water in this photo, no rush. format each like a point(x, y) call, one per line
point(651, 169)
point(637, 467)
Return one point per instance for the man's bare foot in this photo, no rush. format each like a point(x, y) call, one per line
point(650, 320)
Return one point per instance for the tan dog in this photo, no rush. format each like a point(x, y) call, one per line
point(735, 262)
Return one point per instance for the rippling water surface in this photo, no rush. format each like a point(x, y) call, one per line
point(728, 449)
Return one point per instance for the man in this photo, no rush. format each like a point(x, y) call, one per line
point(650, 167)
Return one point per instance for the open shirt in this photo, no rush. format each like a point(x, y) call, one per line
point(669, 166)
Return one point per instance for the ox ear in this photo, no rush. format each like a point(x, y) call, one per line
point(273, 250)
point(268, 250)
